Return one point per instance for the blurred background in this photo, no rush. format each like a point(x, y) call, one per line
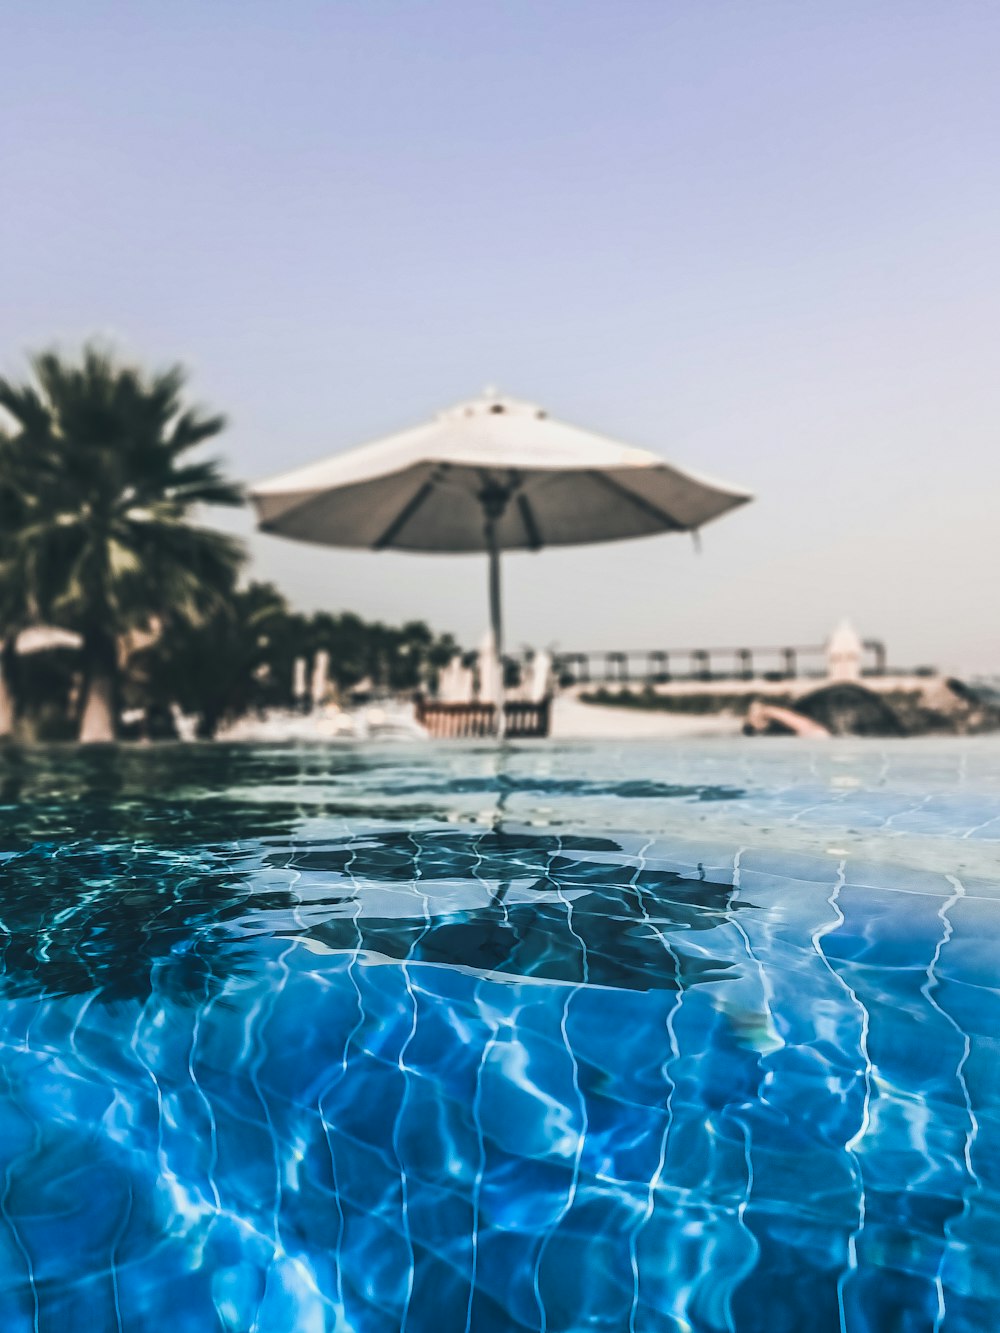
point(757, 239)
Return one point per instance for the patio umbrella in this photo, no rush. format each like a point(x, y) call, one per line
point(490, 475)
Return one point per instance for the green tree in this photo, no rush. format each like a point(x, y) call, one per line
point(392, 658)
point(241, 656)
point(107, 539)
point(15, 596)
point(218, 665)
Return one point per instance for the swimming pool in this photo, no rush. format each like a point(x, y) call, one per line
point(699, 1037)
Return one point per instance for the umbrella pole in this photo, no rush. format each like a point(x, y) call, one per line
point(496, 619)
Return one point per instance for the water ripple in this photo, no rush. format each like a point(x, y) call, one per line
point(264, 1068)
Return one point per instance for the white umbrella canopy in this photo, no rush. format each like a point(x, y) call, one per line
point(538, 481)
point(494, 474)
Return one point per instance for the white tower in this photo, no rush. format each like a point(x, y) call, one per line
point(843, 653)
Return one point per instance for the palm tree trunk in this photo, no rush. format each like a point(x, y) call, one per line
point(6, 688)
point(99, 718)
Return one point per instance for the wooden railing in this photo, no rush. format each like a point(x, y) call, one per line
point(524, 721)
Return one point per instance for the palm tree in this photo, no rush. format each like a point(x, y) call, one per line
point(107, 539)
point(217, 666)
point(11, 601)
point(17, 606)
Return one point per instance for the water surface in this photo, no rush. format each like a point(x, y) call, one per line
point(552, 1038)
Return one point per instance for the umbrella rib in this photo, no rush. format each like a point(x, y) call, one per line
point(640, 502)
point(528, 519)
point(404, 515)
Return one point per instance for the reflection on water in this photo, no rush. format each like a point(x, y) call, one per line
point(279, 1053)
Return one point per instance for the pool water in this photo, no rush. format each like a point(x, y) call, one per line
point(699, 1037)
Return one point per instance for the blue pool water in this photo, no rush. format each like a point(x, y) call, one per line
point(559, 1038)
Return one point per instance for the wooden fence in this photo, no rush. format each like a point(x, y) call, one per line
point(523, 721)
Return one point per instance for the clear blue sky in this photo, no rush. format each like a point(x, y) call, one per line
point(761, 237)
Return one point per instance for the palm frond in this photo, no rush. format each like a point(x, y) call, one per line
point(191, 429)
point(97, 490)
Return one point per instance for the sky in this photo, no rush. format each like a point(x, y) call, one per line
point(759, 237)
